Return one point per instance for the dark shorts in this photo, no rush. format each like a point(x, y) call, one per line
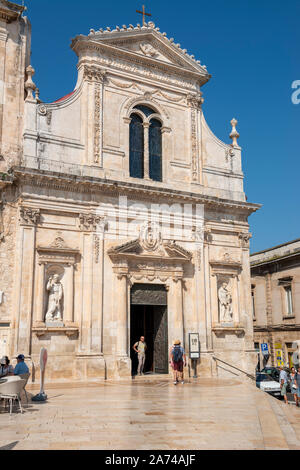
point(178, 366)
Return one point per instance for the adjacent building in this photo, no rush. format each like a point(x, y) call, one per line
point(275, 292)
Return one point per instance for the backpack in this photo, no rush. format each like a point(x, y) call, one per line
point(177, 354)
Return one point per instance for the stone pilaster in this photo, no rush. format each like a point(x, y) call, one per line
point(24, 283)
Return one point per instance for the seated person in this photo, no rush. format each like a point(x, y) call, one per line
point(5, 368)
point(21, 367)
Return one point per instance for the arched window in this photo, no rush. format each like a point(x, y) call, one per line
point(136, 157)
point(155, 150)
point(145, 160)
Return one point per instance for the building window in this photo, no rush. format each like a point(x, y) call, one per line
point(288, 299)
point(155, 150)
point(286, 284)
point(253, 301)
point(256, 347)
point(145, 146)
point(136, 156)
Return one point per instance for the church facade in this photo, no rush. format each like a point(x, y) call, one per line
point(121, 213)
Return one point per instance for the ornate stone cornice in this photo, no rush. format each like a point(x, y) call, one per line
point(151, 42)
point(87, 184)
point(10, 11)
point(122, 60)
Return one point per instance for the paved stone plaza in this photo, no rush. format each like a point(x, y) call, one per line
point(153, 414)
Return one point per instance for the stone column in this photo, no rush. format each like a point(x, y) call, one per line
point(3, 39)
point(69, 296)
point(122, 320)
point(24, 281)
point(178, 317)
point(268, 278)
point(146, 151)
point(40, 313)
point(207, 279)
point(86, 293)
point(214, 299)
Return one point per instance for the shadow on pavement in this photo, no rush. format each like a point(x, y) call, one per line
point(10, 446)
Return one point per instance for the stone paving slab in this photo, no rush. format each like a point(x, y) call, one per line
point(147, 415)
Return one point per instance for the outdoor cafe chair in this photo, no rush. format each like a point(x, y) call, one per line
point(10, 390)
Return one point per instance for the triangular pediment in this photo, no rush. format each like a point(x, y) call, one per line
point(148, 43)
point(163, 250)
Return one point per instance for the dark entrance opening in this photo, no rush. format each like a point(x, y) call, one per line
point(148, 317)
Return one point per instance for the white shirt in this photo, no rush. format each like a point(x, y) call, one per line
point(283, 376)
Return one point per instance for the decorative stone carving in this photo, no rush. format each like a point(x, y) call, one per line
point(229, 153)
point(59, 242)
point(225, 303)
point(198, 234)
point(195, 101)
point(42, 110)
point(234, 135)
point(30, 86)
point(150, 236)
point(89, 222)
point(93, 73)
point(30, 216)
point(97, 116)
point(208, 237)
point(97, 248)
point(244, 239)
point(194, 146)
point(147, 49)
point(55, 289)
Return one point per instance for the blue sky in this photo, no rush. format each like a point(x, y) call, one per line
point(251, 49)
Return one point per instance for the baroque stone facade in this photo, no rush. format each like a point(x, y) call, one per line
point(80, 234)
point(275, 289)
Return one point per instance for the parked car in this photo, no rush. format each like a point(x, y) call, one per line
point(267, 384)
point(274, 372)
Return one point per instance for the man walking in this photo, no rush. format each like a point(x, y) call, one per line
point(283, 380)
point(177, 361)
point(140, 348)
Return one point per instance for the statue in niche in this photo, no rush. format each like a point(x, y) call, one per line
point(55, 289)
point(225, 303)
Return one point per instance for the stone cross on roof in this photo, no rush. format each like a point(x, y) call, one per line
point(144, 14)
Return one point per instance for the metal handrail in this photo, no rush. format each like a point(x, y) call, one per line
point(234, 367)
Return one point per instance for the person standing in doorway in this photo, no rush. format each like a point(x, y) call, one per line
point(140, 348)
point(177, 361)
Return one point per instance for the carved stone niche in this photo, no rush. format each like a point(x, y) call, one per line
point(60, 261)
point(226, 296)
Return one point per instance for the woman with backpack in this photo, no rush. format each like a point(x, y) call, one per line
point(177, 361)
